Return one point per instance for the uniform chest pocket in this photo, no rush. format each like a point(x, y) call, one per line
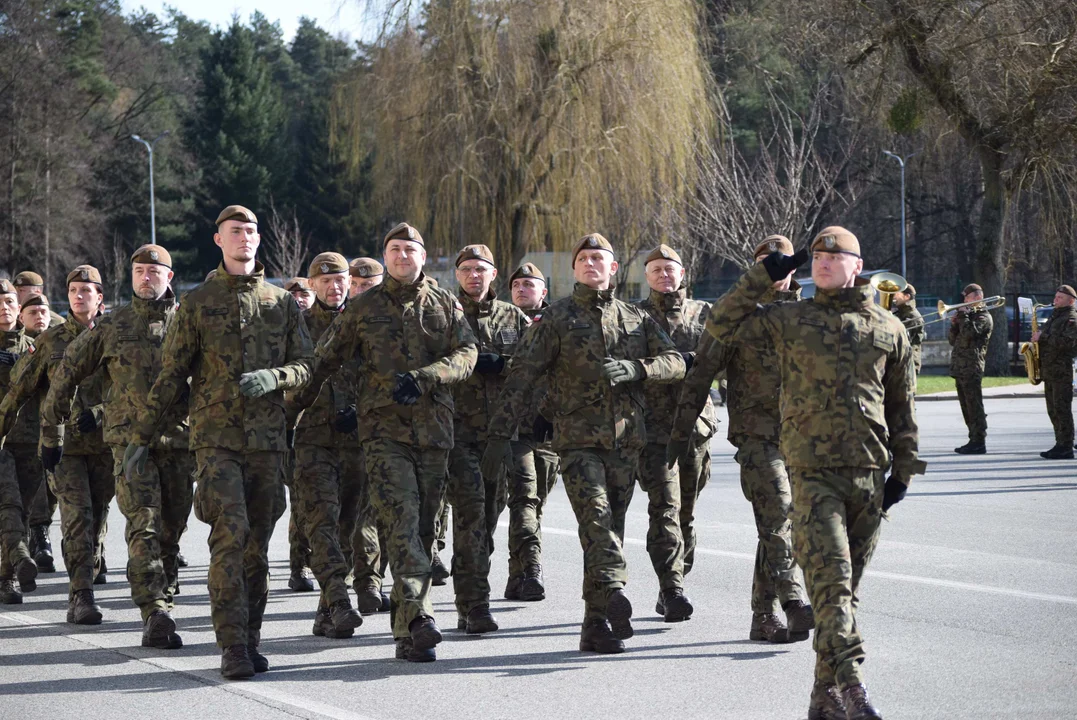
point(434, 321)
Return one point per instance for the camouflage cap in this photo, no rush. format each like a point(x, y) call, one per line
point(298, 283)
point(152, 255)
point(475, 252)
point(663, 252)
point(594, 241)
point(6, 288)
point(365, 267)
point(527, 270)
point(972, 288)
point(327, 263)
point(85, 273)
point(41, 299)
point(236, 212)
point(1066, 290)
point(28, 278)
point(774, 244)
point(403, 231)
point(836, 239)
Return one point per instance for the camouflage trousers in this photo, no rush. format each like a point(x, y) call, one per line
point(836, 517)
point(405, 490)
point(599, 484)
point(240, 496)
point(84, 486)
point(156, 505)
point(694, 471)
point(970, 396)
point(534, 473)
point(776, 579)
point(665, 544)
point(1060, 409)
point(326, 487)
point(468, 492)
point(441, 524)
point(43, 507)
point(20, 481)
point(298, 544)
point(364, 553)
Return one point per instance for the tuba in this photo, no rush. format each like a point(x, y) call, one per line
point(1031, 350)
point(887, 284)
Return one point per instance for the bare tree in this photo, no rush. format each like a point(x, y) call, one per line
point(285, 246)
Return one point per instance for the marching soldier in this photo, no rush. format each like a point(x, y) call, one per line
point(300, 578)
point(673, 480)
point(412, 343)
point(598, 351)
point(364, 273)
point(477, 498)
point(243, 342)
point(848, 414)
point(20, 474)
point(82, 476)
point(970, 332)
point(326, 476)
point(126, 344)
point(301, 290)
point(1058, 346)
point(29, 284)
point(754, 421)
point(910, 317)
point(534, 463)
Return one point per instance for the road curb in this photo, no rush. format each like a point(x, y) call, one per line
point(939, 397)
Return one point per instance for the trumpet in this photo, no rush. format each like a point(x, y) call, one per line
point(990, 303)
point(888, 285)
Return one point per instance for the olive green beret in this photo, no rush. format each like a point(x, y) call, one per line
point(298, 283)
point(527, 270)
point(152, 255)
point(774, 244)
point(475, 252)
point(836, 239)
point(403, 231)
point(6, 288)
point(1066, 290)
point(594, 241)
point(28, 278)
point(365, 267)
point(663, 252)
point(85, 273)
point(972, 288)
point(236, 212)
point(33, 300)
point(327, 263)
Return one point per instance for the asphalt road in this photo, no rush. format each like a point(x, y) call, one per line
point(969, 610)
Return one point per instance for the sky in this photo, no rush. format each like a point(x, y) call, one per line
point(338, 17)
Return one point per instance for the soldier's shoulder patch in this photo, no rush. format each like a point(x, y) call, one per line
point(31, 349)
point(456, 304)
point(536, 319)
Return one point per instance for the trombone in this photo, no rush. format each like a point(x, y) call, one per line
point(942, 309)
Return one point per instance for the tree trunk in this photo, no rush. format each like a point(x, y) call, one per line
point(988, 270)
point(519, 239)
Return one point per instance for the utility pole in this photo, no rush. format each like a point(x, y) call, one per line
point(902, 161)
point(153, 216)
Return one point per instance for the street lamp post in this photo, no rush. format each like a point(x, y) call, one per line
point(902, 161)
point(153, 217)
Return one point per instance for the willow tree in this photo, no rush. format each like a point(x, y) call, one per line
point(526, 124)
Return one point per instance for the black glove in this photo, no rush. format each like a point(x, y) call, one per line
point(87, 422)
point(7, 358)
point(50, 457)
point(407, 391)
point(689, 358)
point(346, 420)
point(542, 430)
point(779, 266)
point(490, 364)
point(893, 492)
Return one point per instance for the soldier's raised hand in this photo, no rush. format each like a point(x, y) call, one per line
point(780, 266)
point(87, 421)
point(258, 383)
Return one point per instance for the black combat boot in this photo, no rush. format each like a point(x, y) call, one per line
point(160, 632)
point(619, 613)
point(368, 599)
point(531, 586)
point(26, 571)
point(768, 627)
point(405, 650)
point(42, 548)
point(826, 703)
point(424, 633)
point(344, 616)
point(673, 605)
point(438, 572)
point(801, 619)
point(386, 605)
point(512, 587)
point(259, 661)
point(323, 626)
point(597, 636)
point(478, 621)
point(82, 610)
point(301, 580)
point(857, 705)
point(181, 560)
point(8, 594)
point(1058, 452)
point(236, 664)
point(972, 448)
point(101, 578)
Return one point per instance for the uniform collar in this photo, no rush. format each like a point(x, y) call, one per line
point(1060, 311)
point(324, 309)
point(536, 311)
point(404, 292)
point(240, 281)
point(477, 307)
point(853, 299)
point(669, 302)
point(154, 310)
point(587, 296)
point(8, 338)
point(74, 326)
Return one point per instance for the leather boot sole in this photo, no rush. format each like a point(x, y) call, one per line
point(619, 613)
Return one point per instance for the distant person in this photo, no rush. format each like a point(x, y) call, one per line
point(1058, 347)
point(970, 332)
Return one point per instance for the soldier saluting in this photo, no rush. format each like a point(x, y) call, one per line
point(848, 414)
point(597, 351)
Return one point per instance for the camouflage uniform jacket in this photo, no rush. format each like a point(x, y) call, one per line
point(969, 335)
point(315, 425)
point(1058, 345)
point(913, 321)
point(542, 385)
point(33, 374)
point(397, 328)
point(569, 343)
point(683, 320)
point(127, 344)
point(25, 431)
point(225, 327)
point(498, 326)
point(847, 381)
point(753, 377)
